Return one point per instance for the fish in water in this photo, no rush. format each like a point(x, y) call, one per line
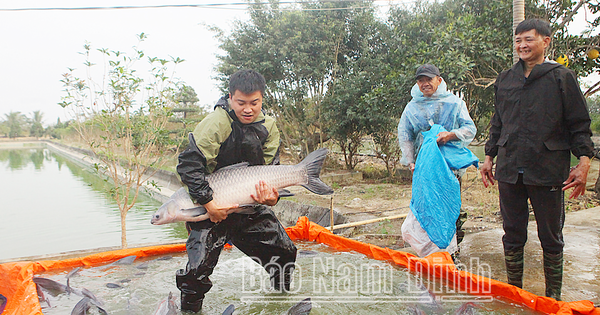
point(235, 184)
point(423, 296)
point(229, 310)
point(82, 307)
point(53, 287)
point(167, 257)
point(167, 306)
point(143, 265)
point(3, 301)
point(70, 274)
point(302, 308)
point(125, 260)
point(415, 310)
point(113, 285)
point(307, 253)
point(468, 308)
point(87, 293)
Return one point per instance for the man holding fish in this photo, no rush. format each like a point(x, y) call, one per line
point(236, 131)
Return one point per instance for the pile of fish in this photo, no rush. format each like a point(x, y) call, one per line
point(55, 288)
point(89, 300)
point(234, 185)
point(302, 308)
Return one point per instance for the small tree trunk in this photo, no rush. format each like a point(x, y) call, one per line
point(597, 188)
point(518, 17)
point(123, 230)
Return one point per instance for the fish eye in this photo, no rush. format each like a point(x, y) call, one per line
point(157, 216)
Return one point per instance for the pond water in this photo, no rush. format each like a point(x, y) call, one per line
point(337, 283)
point(52, 205)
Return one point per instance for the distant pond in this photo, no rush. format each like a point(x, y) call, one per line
point(49, 204)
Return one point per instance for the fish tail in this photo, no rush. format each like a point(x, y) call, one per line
point(313, 163)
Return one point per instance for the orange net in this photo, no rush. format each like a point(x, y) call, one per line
point(17, 286)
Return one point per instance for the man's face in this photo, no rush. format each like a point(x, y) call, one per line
point(530, 46)
point(428, 85)
point(246, 106)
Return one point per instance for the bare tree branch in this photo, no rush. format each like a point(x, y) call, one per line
point(592, 90)
point(569, 17)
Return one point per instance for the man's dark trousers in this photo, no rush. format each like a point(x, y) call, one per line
point(548, 208)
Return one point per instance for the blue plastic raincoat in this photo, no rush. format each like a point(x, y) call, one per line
point(442, 108)
point(435, 189)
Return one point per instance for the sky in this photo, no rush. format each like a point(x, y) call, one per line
point(37, 47)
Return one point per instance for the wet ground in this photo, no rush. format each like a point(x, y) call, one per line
point(581, 279)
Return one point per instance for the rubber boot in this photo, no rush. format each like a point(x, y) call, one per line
point(281, 282)
point(553, 271)
point(192, 290)
point(460, 232)
point(514, 266)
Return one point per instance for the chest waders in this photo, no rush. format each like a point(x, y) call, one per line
point(259, 235)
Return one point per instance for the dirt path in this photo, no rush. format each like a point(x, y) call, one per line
point(364, 200)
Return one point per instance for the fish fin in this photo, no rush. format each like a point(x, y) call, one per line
point(128, 260)
point(302, 308)
point(101, 310)
point(69, 275)
point(72, 272)
point(285, 193)
point(87, 293)
point(234, 166)
point(198, 218)
point(229, 310)
point(194, 212)
point(313, 164)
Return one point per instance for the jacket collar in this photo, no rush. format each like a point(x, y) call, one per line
point(538, 71)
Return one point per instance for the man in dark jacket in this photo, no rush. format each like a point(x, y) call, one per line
point(237, 131)
point(540, 118)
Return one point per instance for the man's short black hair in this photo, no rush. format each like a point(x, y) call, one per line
point(542, 27)
point(247, 81)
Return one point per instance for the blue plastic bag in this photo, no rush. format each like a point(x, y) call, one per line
point(435, 198)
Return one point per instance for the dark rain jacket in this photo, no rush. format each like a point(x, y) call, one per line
point(220, 140)
point(538, 122)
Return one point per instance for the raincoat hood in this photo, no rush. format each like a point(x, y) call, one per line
point(442, 91)
point(442, 108)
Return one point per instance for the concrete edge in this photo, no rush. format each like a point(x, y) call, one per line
point(84, 252)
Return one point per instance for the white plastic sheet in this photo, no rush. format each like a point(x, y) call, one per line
point(413, 234)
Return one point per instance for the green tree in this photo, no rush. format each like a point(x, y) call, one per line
point(125, 131)
point(186, 96)
point(469, 40)
point(4, 128)
point(362, 66)
point(186, 112)
point(574, 46)
point(15, 123)
point(37, 129)
point(297, 51)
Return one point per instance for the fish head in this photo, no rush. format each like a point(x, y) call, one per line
point(165, 214)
